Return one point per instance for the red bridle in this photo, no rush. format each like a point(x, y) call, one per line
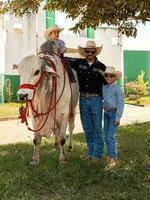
point(23, 111)
point(32, 86)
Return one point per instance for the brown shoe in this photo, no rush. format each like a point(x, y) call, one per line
point(111, 164)
point(108, 159)
point(94, 159)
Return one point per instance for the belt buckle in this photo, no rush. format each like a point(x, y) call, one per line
point(88, 96)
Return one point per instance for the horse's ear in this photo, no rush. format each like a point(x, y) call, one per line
point(15, 66)
point(47, 68)
point(51, 71)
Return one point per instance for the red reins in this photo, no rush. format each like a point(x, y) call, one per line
point(32, 86)
point(23, 111)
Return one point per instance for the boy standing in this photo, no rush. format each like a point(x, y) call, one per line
point(113, 109)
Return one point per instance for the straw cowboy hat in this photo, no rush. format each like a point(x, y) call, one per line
point(89, 45)
point(112, 70)
point(51, 29)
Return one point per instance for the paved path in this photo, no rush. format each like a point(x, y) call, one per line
point(11, 131)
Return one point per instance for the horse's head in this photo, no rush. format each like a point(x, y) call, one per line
point(32, 70)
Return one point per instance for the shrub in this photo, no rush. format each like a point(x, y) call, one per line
point(138, 88)
point(9, 90)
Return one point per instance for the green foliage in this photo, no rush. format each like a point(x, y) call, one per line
point(138, 88)
point(78, 179)
point(143, 101)
point(8, 90)
point(124, 14)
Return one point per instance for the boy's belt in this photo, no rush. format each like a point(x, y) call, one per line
point(110, 109)
point(88, 95)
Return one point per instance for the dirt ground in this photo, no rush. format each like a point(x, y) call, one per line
point(12, 131)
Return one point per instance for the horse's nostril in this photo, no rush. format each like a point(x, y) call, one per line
point(22, 97)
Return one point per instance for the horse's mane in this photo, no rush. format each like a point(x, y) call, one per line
point(48, 47)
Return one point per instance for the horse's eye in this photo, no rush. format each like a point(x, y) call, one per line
point(36, 72)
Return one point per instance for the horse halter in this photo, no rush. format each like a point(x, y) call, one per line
point(32, 86)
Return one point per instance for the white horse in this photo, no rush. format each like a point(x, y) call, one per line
point(52, 99)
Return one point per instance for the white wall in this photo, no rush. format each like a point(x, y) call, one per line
point(2, 44)
point(142, 40)
point(19, 42)
point(112, 46)
point(40, 26)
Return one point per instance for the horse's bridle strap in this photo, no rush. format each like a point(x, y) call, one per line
point(31, 86)
point(27, 86)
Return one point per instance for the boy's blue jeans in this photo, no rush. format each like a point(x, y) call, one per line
point(91, 118)
point(110, 132)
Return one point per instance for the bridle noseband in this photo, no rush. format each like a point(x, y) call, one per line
point(32, 86)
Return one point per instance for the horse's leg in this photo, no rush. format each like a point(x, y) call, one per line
point(37, 141)
point(56, 141)
point(62, 157)
point(71, 125)
point(61, 139)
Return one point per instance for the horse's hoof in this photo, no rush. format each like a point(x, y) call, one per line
point(69, 149)
point(34, 162)
point(56, 144)
point(62, 162)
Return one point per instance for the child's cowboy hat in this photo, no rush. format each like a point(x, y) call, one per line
point(89, 45)
point(112, 70)
point(51, 29)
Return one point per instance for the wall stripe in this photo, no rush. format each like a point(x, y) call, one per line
point(90, 33)
point(50, 18)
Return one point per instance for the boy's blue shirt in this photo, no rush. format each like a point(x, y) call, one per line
point(113, 98)
point(60, 44)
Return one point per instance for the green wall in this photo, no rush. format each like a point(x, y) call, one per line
point(14, 83)
point(134, 62)
point(50, 18)
point(90, 33)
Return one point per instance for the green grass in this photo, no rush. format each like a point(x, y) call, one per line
point(78, 179)
point(12, 109)
point(143, 101)
point(9, 109)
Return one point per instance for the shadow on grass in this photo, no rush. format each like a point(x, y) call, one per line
point(77, 179)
